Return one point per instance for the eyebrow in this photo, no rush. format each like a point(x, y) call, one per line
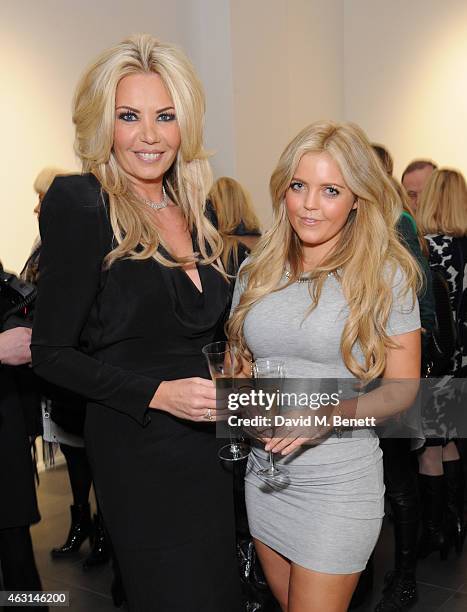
point(328, 184)
point(135, 110)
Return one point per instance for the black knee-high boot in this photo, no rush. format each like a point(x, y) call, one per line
point(455, 483)
point(400, 586)
point(433, 496)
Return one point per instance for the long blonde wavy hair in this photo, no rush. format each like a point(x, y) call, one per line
point(364, 260)
point(443, 204)
point(189, 179)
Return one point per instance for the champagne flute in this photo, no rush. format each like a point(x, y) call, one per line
point(221, 360)
point(275, 369)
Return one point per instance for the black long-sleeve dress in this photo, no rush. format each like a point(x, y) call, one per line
point(113, 335)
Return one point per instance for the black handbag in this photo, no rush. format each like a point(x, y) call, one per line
point(16, 297)
point(256, 590)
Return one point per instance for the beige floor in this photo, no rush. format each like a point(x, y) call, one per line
point(442, 585)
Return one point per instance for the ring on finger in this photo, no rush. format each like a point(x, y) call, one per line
point(208, 416)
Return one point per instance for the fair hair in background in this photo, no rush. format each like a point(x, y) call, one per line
point(190, 178)
point(45, 178)
point(443, 204)
point(233, 206)
point(364, 260)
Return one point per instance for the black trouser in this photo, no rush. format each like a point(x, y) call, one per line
point(19, 571)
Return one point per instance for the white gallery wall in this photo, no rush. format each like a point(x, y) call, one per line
point(405, 69)
point(269, 67)
point(286, 75)
point(46, 45)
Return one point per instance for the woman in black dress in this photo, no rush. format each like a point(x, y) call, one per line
point(442, 217)
point(130, 290)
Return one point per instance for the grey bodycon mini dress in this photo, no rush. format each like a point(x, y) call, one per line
point(329, 516)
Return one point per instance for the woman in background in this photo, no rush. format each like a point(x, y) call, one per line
point(67, 412)
point(330, 291)
point(400, 478)
point(237, 221)
point(442, 217)
point(18, 509)
point(122, 317)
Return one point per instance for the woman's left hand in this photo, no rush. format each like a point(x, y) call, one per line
point(286, 439)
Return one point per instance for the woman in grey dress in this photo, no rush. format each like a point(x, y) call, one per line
point(329, 291)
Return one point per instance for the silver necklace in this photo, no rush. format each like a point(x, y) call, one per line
point(304, 279)
point(158, 205)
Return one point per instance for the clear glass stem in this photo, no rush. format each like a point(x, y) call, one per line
point(234, 447)
point(272, 462)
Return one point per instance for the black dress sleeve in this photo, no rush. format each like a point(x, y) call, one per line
point(76, 235)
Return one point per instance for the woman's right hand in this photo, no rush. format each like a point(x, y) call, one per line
point(187, 398)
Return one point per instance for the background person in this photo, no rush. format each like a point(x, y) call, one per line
point(18, 510)
point(67, 412)
point(317, 294)
point(415, 177)
point(236, 218)
point(442, 217)
point(145, 292)
point(400, 586)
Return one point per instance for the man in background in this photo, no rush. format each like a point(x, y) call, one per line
point(415, 177)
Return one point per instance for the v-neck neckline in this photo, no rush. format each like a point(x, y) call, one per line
point(194, 244)
point(199, 291)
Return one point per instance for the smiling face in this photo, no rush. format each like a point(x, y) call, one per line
point(318, 205)
point(146, 134)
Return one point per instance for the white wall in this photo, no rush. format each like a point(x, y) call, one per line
point(286, 74)
point(48, 44)
point(406, 76)
point(269, 67)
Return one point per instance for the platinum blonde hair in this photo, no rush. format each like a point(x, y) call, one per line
point(364, 260)
point(189, 179)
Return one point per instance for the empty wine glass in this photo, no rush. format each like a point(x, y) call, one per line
point(222, 362)
point(274, 369)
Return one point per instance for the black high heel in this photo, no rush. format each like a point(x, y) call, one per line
point(80, 530)
point(100, 552)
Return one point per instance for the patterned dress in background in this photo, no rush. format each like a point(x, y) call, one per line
point(443, 413)
point(448, 255)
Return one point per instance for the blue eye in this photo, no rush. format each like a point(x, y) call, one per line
point(296, 186)
point(128, 116)
point(331, 191)
point(166, 117)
